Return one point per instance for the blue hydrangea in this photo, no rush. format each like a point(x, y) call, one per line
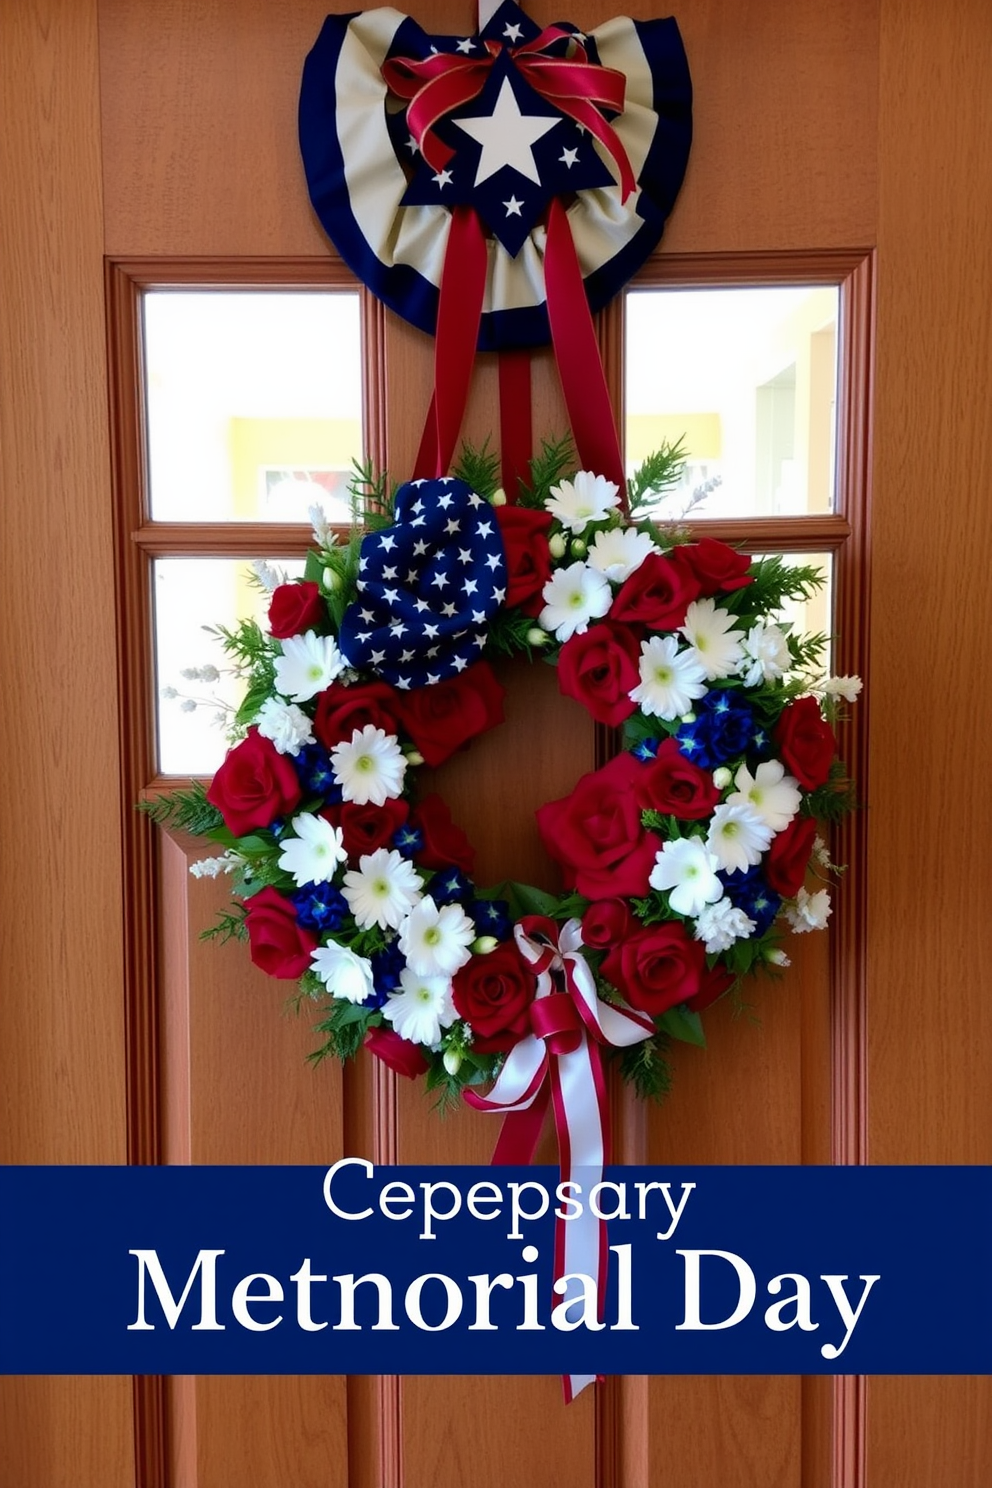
point(492, 917)
point(750, 892)
point(316, 774)
point(386, 968)
point(723, 729)
point(408, 841)
point(646, 750)
point(320, 907)
point(450, 886)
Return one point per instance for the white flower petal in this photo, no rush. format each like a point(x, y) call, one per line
point(671, 680)
point(770, 793)
point(712, 639)
point(382, 889)
point(585, 498)
point(572, 597)
point(369, 766)
point(285, 724)
point(737, 837)
point(346, 976)
point(688, 869)
point(436, 941)
point(619, 551)
point(312, 856)
point(309, 663)
point(421, 1008)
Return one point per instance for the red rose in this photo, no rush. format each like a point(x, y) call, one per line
point(493, 994)
point(402, 1056)
point(439, 719)
point(280, 945)
point(717, 567)
point(365, 828)
point(596, 833)
point(673, 784)
point(806, 742)
point(294, 608)
point(444, 843)
point(605, 923)
point(716, 981)
point(341, 710)
point(255, 785)
point(599, 669)
point(528, 559)
point(657, 968)
point(788, 857)
point(658, 593)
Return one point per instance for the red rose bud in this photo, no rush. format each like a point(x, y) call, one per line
point(605, 923)
point(441, 718)
point(597, 836)
point(658, 593)
point(402, 1056)
point(279, 944)
point(444, 843)
point(806, 742)
point(254, 786)
point(717, 567)
point(657, 968)
point(716, 982)
point(528, 559)
point(672, 784)
point(493, 993)
point(599, 669)
point(789, 855)
point(294, 608)
point(341, 710)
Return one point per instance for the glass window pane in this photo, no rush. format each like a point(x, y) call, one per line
point(747, 378)
point(253, 403)
point(192, 594)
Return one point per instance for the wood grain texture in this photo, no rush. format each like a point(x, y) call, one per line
point(61, 1016)
point(931, 1091)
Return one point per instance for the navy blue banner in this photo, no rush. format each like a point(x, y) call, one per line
point(360, 1270)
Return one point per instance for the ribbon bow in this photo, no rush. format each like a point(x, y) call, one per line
point(569, 1025)
point(439, 84)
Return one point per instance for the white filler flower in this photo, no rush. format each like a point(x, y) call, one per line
point(712, 638)
point(285, 724)
point(843, 687)
point(309, 663)
point(770, 792)
point(670, 679)
point(421, 1008)
point(585, 498)
point(688, 868)
point(344, 974)
point(369, 767)
point(382, 890)
point(572, 597)
point(436, 941)
point(314, 853)
point(619, 551)
point(766, 654)
point(720, 924)
point(810, 911)
point(737, 837)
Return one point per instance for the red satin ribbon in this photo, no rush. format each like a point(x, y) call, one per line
point(439, 84)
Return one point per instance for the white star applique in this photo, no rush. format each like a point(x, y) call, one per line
point(478, 616)
point(464, 556)
point(494, 561)
point(391, 596)
point(459, 663)
point(412, 145)
point(513, 33)
point(449, 610)
point(378, 657)
point(433, 678)
point(452, 526)
point(485, 529)
point(398, 629)
point(388, 542)
point(406, 655)
point(445, 501)
point(569, 158)
point(404, 682)
point(412, 576)
point(506, 136)
point(442, 179)
point(419, 548)
point(513, 207)
point(367, 615)
point(470, 586)
point(430, 631)
point(474, 500)
point(389, 573)
point(466, 45)
point(421, 605)
point(439, 580)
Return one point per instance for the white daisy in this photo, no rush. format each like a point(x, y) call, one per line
point(285, 724)
point(382, 889)
point(766, 654)
point(712, 638)
point(344, 974)
point(309, 663)
point(843, 687)
point(572, 597)
point(810, 911)
point(670, 679)
point(770, 792)
point(369, 767)
point(314, 853)
point(585, 498)
point(619, 551)
point(436, 941)
point(737, 837)
point(687, 868)
point(720, 924)
point(421, 1008)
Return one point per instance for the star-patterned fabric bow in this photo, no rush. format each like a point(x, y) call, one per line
point(428, 585)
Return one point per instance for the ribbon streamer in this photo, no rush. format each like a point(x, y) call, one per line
point(563, 1056)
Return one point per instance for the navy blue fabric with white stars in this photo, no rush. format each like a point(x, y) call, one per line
point(427, 586)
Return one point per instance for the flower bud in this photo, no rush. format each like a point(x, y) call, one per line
point(414, 757)
point(484, 945)
point(451, 1060)
point(556, 544)
point(578, 547)
point(722, 777)
point(537, 637)
point(332, 580)
point(499, 497)
point(777, 958)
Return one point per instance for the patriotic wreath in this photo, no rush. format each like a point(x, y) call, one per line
point(684, 859)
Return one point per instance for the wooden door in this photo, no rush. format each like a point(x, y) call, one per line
point(164, 136)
